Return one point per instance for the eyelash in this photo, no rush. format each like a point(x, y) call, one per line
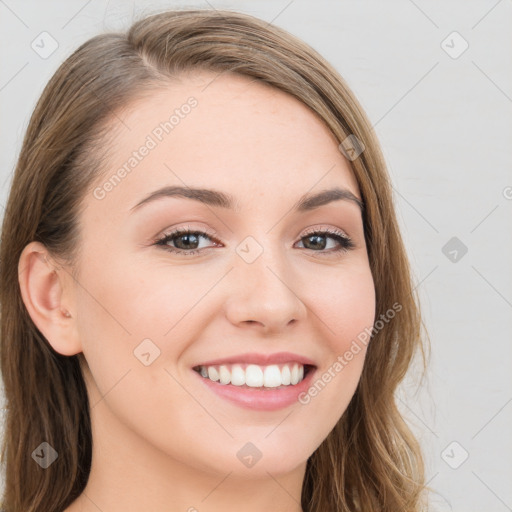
point(345, 242)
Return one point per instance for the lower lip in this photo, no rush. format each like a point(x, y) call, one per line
point(267, 399)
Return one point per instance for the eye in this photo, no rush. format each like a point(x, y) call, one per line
point(186, 241)
point(317, 241)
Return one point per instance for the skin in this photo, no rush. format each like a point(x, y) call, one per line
point(162, 439)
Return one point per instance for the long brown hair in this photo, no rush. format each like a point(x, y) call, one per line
point(370, 461)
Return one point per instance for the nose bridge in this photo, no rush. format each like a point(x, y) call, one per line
point(261, 261)
point(263, 290)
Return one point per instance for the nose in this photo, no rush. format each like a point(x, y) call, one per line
point(262, 294)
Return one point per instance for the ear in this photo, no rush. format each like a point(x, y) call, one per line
point(47, 291)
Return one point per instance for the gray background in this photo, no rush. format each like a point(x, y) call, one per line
point(444, 123)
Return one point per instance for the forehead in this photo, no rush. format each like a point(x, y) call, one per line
point(226, 132)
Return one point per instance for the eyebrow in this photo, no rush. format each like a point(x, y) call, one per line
point(220, 199)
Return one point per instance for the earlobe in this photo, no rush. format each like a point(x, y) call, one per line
point(45, 295)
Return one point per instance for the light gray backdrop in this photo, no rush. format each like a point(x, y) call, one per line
point(436, 81)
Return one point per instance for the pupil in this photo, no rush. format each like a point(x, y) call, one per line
point(316, 242)
point(187, 238)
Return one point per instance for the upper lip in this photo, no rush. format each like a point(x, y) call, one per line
point(260, 359)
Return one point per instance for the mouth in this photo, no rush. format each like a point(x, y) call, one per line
point(254, 376)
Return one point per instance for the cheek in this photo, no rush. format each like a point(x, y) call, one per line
point(131, 313)
point(344, 302)
point(127, 300)
point(123, 324)
point(346, 312)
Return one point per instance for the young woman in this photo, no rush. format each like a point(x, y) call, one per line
point(205, 300)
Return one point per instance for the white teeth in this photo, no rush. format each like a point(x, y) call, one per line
point(272, 376)
point(295, 375)
point(225, 375)
point(237, 375)
point(213, 374)
point(286, 375)
point(254, 376)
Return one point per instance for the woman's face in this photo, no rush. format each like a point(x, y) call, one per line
point(250, 287)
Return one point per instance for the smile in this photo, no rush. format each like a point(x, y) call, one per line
point(255, 376)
